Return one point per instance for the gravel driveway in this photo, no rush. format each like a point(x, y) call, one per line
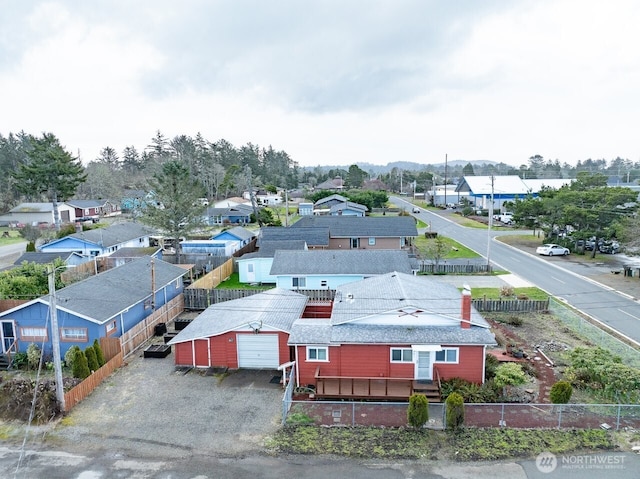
point(149, 409)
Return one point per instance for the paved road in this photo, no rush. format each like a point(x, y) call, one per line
point(616, 310)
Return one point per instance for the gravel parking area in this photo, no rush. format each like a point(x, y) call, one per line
point(150, 409)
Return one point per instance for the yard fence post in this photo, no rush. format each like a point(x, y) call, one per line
point(353, 414)
point(559, 416)
point(618, 418)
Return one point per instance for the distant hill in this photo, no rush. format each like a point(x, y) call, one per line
point(404, 165)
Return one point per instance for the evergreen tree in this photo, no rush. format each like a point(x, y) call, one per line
point(92, 360)
point(418, 411)
point(99, 354)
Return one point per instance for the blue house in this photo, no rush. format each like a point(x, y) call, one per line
point(255, 267)
point(102, 241)
point(108, 304)
point(236, 214)
point(239, 234)
point(328, 269)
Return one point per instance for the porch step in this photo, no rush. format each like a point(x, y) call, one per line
point(4, 362)
point(429, 389)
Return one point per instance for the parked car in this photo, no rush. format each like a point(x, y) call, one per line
point(609, 247)
point(415, 209)
point(550, 249)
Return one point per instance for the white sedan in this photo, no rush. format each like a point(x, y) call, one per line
point(552, 250)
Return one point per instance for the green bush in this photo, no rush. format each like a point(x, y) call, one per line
point(509, 374)
point(418, 411)
point(80, 365)
point(490, 365)
point(561, 392)
point(455, 411)
point(70, 355)
point(20, 360)
point(92, 360)
point(99, 354)
point(31, 247)
point(33, 356)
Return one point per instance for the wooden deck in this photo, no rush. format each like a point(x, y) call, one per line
point(340, 387)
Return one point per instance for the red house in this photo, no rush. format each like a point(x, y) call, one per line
point(384, 337)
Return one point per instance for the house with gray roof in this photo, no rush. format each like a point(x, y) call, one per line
point(328, 269)
point(384, 337)
point(400, 329)
point(316, 237)
point(256, 267)
point(107, 304)
point(368, 232)
point(39, 214)
point(250, 332)
point(102, 241)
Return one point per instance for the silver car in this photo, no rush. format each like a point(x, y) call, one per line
point(550, 249)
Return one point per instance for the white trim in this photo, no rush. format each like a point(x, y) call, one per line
point(426, 347)
point(326, 349)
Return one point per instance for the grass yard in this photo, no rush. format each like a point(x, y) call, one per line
point(454, 249)
point(10, 236)
point(494, 293)
point(233, 282)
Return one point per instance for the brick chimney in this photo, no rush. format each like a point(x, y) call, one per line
point(465, 313)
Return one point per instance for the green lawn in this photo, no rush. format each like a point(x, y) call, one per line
point(455, 249)
point(12, 237)
point(494, 293)
point(234, 283)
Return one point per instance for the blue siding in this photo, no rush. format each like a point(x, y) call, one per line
point(261, 268)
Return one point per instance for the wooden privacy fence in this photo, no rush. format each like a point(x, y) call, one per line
point(215, 277)
point(511, 305)
point(146, 328)
point(201, 299)
point(76, 394)
point(428, 268)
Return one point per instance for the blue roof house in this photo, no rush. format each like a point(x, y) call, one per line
point(101, 241)
point(239, 234)
point(105, 305)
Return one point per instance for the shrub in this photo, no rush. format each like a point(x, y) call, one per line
point(455, 411)
point(514, 320)
point(561, 392)
point(418, 411)
point(20, 360)
point(92, 360)
point(31, 247)
point(509, 374)
point(33, 356)
point(99, 354)
point(506, 291)
point(80, 365)
point(490, 365)
point(70, 355)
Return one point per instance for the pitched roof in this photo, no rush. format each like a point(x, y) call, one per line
point(101, 297)
point(43, 258)
point(86, 203)
point(237, 231)
point(135, 252)
point(502, 185)
point(275, 308)
point(268, 248)
point(402, 309)
point(362, 226)
point(330, 199)
point(345, 262)
point(33, 208)
point(113, 235)
point(349, 205)
point(313, 235)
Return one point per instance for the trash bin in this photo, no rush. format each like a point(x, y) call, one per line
point(160, 329)
point(628, 271)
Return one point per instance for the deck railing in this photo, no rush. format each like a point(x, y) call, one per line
point(362, 387)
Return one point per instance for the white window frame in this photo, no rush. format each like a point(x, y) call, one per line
point(40, 333)
point(446, 352)
point(372, 241)
point(78, 338)
point(301, 280)
point(111, 328)
point(317, 349)
point(403, 352)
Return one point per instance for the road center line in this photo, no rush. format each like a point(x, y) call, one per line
point(560, 281)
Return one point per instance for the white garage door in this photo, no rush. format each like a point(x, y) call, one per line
point(258, 351)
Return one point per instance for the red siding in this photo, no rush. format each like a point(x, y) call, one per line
point(470, 365)
point(375, 361)
point(183, 354)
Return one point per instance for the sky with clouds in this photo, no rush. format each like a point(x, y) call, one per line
point(331, 82)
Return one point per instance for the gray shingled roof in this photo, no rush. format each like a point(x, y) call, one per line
point(313, 236)
point(268, 248)
point(365, 226)
point(347, 205)
point(86, 203)
point(101, 297)
point(114, 235)
point(394, 296)
point(394, 291)
point(43, 258)
point(353, 262)
point(276, 309)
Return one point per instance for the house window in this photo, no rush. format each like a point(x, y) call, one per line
point(317, 353)
point(33, 334)
point(73, 334)
point(147, 303)
point(355, 243)
point(299, 282)
point(372, 241)
point(111, 328)
point(399, 355)
point(447, 355)
point(250, 268)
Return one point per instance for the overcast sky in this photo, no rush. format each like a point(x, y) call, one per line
point(329, 82)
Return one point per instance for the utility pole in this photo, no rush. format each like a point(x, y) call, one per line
point(252, 195)
point(286, 205)
point(445, 180)
point(489, 228)
point(55, 336)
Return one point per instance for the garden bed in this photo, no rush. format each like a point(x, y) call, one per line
point(157, 351)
